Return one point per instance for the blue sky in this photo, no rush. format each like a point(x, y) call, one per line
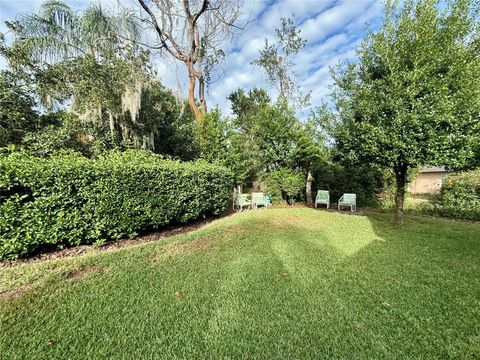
point(333, 30)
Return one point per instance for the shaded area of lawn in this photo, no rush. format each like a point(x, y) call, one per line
point(286, 283)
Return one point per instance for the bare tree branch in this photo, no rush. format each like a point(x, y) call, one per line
point(155, 47)
point(160, 33)
point(201, 11)
point(195, 32)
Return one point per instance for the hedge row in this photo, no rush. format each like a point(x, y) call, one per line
point(460, 196)
point(68, 200)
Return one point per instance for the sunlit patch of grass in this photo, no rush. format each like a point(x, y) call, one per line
point(281, 283)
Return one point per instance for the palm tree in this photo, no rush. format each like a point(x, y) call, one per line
point(60, 36)
point(58, 32)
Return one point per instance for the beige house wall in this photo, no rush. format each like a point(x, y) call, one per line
point(427, 183)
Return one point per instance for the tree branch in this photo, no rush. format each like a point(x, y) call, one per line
point(200, 12)
point(160, 33)
point(156, 47)
point(231, 24)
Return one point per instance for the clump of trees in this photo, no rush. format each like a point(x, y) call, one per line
point(80, 60)
point(85, 81)
point(414, 97)
point(89, 65)
point(273, 137)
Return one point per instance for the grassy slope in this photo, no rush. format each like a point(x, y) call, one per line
point(287, 283)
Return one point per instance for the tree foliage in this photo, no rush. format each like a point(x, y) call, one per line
point(276, 60)
point(170, 120)
point(58, 32)
point(269, 136)
point(17, 114)
point(64, 130)
point(459, 196)
point(285, 183)
point(414, 97)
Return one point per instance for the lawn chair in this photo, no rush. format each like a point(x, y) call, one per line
point(268, 200)
point(260, 199)
point(240, 201)
point(323, 197)
point(348, 200)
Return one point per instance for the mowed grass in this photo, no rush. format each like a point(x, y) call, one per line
point(286, 283)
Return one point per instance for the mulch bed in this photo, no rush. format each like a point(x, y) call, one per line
point(164, 233)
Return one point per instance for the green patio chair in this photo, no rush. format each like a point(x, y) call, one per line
point(260, 199)
point(268, 200)
point(323, 198)
point(348, 200)
point(240, 201)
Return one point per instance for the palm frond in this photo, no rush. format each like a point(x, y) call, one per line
point(51, 35)
point(96, 25)
point(58, 13)
point(128, 25)
point(58, 32)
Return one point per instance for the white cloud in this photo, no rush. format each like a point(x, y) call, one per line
point(333, 30)
point(332, 20)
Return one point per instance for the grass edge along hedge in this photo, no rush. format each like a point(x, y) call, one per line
point(67, 199)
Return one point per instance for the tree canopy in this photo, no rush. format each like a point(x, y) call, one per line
point(276, 61)
point(86, 80)
point(414, 97)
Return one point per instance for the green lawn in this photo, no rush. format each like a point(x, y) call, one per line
point(281, 283)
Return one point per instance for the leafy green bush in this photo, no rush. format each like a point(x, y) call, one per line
point(459, 196)
point(286, 184)
point(66, 131)
point(17, 110)
point(67, 199)
point(386, 197)
point(367, 181)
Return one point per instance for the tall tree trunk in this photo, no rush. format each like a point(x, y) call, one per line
point(191, 93)
point(308, 188)
point(111, 123)
point(152, 141)
point(401, 180)
point(201, 93)
point(201, 85)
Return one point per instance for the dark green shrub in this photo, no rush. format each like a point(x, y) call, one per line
point(17, 109)
point(285, 184)
point(367, 181)
point(67, 199)
point(67, 131)
point(459, 196)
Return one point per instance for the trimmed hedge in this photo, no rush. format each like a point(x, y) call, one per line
point(460, 196)
point(67, 199)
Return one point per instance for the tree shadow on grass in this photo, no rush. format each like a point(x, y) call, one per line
point(329, 286)
point(425, 278)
